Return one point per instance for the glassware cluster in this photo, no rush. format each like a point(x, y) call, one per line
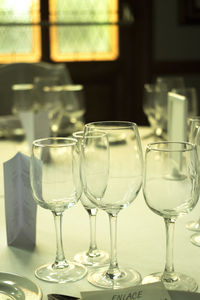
point(155, 102)
point(103, 167)
point(64, 103)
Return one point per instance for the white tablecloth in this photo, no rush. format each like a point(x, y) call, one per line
point(141, 238)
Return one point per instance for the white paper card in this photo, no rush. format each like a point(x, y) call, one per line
point(153, 291)
point(20, 207)
point(36, 125)
point(177, 117)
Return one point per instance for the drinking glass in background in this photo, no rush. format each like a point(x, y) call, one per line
point(23, 98)
point(193, 124)
point(155, 108)
point(194, 137)
point(167, 83)
point(93, 256)
point(52, 104)
point(191, 95)
point(71, 117)
point(47, 97)
point(64, 103)
point(171, 189)
point(56, 185)
point(112, 184)
point(44, 97)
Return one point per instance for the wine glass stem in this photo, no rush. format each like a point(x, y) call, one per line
point(92, 217)
point(60, 261)
point(169, 265)
point(113, 271)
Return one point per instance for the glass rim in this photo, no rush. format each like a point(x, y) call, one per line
point(94, 134)
point(194, 118)
point(154, 146)
point(112, 124)
point(43, 142)
point(22, 86)
point(72, 87)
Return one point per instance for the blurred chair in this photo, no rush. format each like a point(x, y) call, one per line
point(16, 73)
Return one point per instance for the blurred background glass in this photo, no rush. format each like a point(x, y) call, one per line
point(194, 137)
point(65, 105)
point(23, 99)
point(167, 83)
point(155, 101)
point(45, 91)
point(71, 117)
point(155, 108)
point(191, 95)
point(193, 125)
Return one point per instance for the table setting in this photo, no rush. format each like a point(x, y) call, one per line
point(131, 178)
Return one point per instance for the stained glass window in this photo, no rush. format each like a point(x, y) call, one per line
point(83, 30)
point(20, 39)
point(79, 30)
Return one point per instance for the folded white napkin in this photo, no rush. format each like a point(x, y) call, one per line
point(20, 207)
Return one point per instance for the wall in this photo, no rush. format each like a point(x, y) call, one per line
point(176, 46)
point(173, 41)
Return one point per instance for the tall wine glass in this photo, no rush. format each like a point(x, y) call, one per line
point(93, 256)
point(123, 183)
point(56, 185)
point(171, 189)
point(194, 137)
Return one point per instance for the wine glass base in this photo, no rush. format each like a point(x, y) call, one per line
point(127, 277)
point(195, 239)
point(193, 225)
point(183, 282)
point(99, 258)
point(72, 272)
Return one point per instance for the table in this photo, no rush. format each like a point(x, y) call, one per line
point(141, 237)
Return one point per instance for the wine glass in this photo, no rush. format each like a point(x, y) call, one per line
point(56, 185)
point(155, 108)
point(45, 96)
point(193, 125)
point(168, 83)
point(71, 116)
point(93, 256)
point(191, 95)
point(194, 137)
point(171, 189)
point(114, 190)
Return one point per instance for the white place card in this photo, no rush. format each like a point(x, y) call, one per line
point(20, 207)
point(153, 291)
point(177, 117)
point(36, 125)
point(177, 128)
